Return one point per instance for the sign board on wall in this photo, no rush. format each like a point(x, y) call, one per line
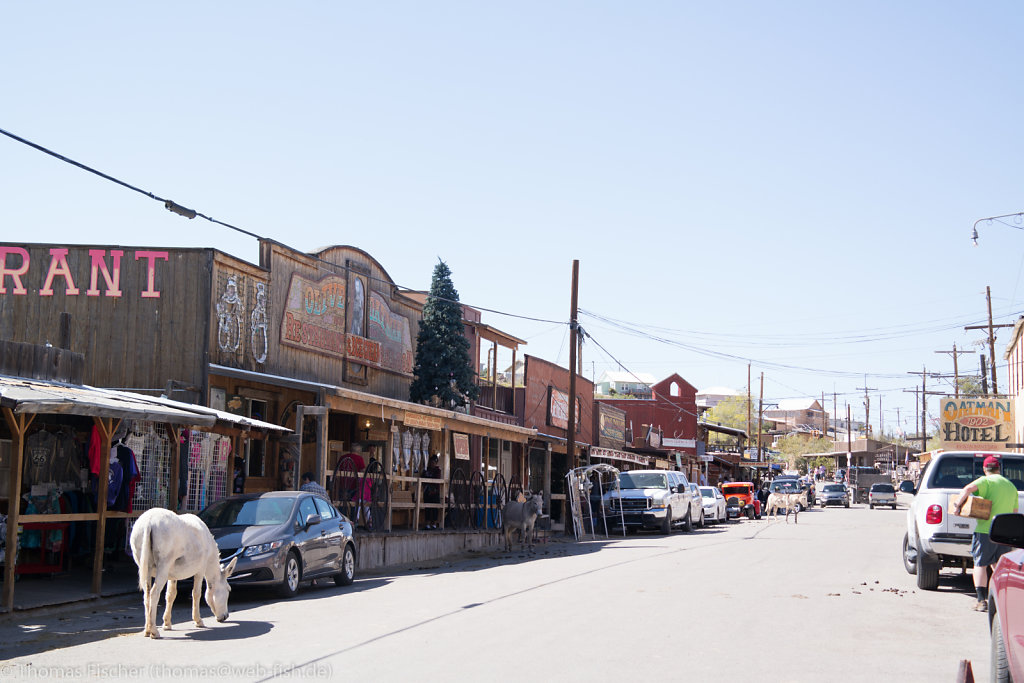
point(461, 443)
point(422, 421)
point(611, 425)
point(558, 409)
point(678, 443)
point(314, 315)
point(976, 423)
point(392, 333)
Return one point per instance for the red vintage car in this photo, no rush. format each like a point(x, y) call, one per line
point(741, 499)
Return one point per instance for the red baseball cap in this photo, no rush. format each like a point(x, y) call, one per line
point(990, 462)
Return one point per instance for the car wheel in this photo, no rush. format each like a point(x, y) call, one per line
point(688, 522)
point(894, 506)
point(846, 505)
point(1000, 665)
point(700, 523)
point(750, 513)
point(666, 525)
point(800, 507)
point(909, 555)
point(871, 506)
point(292, 575)
point(927, 572)
point(348, 568)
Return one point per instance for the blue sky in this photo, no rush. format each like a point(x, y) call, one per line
point(791, 184)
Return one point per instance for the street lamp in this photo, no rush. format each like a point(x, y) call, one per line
point(1018, 220)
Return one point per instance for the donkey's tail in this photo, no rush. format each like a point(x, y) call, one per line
point(144, 559)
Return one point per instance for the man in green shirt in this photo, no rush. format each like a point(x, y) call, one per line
point(1003, 494)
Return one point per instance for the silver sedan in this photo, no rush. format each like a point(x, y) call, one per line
point(283, 538)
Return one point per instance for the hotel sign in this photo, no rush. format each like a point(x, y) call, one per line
point(976, 423)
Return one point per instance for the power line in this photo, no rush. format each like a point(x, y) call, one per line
point(174, 207)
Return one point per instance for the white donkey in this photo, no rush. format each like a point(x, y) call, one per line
point(790, 501)
point(168, 547)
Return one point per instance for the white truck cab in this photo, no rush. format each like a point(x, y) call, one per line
point(935, 538)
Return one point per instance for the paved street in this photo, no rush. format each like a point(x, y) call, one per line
point(823, 600)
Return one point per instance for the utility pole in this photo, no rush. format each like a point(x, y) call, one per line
point(824, 417)
point(570, 437)
point(849, 442)
point(923, 436)
point(991, 341)
point(867, 406)
point(956, 372)
point(748, 405)
point(984, 376)
point(760, 417)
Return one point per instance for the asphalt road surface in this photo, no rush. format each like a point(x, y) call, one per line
point(825, 599)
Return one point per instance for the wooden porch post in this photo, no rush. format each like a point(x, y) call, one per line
point(175, 432)
point(18, 425)
point(445, 471)
point(107, 427)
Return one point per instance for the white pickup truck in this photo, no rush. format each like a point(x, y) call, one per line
point(935, 538)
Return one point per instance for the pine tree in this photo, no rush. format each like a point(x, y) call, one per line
point(442, 371)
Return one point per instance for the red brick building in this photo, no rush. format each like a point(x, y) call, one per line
point(672, 412)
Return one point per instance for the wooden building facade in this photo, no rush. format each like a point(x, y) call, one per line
point(322, 343)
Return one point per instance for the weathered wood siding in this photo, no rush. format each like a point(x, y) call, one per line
point(138, 314)
point(240, 332)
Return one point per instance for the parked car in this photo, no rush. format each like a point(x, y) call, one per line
point(935, 538)
point(696, 505)
point(787, 485)
point(834, 494)
point(714, 504)
point(882, 494)
point(283, 538)
point(651, 499)
point(1006, 600)
point(741, 499)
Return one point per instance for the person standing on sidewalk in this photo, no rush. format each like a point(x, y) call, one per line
point(1002, 493)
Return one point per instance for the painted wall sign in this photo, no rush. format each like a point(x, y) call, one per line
point(314, 314)
point(392, 331)
point(17, 267)
point(679, 443)
point(362, 349)
point(558, 408)
point(611, 425)
point(461, 444)
point(976, 423)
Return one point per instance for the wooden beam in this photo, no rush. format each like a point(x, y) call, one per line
point(18, 424)
point(172, 496)
point(107, 427)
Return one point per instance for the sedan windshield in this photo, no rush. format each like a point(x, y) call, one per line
point(251, 512)
point(834, 488)
point(641, 480)
point(707, 492)
point(883, 488)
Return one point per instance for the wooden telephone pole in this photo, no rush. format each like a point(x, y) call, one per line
point(570, 438)
point(991, 340)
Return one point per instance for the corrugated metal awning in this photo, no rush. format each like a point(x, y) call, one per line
point(239, 421)
point(31, 396)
